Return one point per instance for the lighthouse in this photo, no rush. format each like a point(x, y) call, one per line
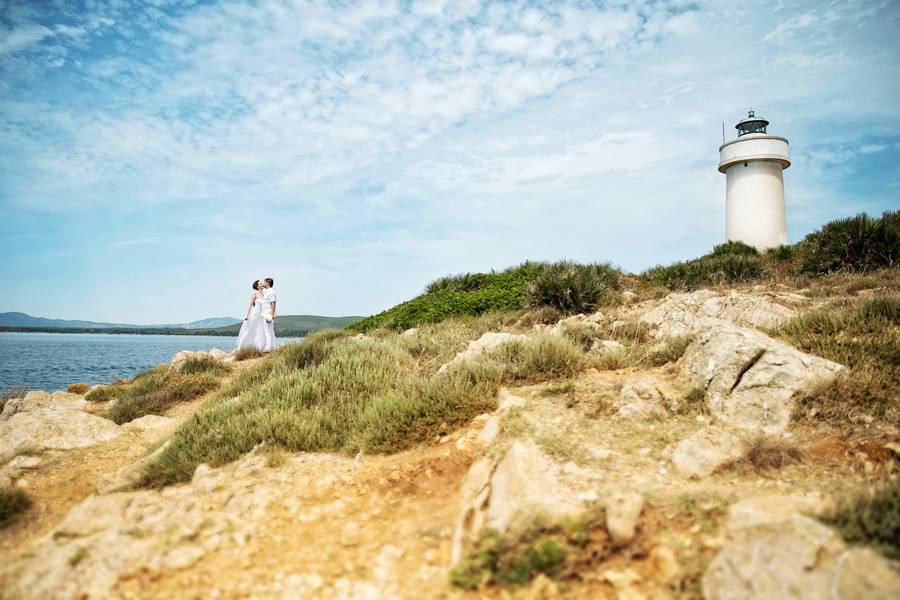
point(753, 164)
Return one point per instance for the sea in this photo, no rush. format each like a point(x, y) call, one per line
point(51, 361)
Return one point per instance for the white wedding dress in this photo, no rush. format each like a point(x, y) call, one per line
point(253, 330)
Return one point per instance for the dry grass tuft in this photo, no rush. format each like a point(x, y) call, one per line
point(248, 353)
point(78, 388)
point(767, 453)
point(870, 517)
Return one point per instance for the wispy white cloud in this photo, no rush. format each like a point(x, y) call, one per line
point(379, 144)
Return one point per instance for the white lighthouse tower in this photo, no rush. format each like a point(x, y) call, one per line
point(754, 184)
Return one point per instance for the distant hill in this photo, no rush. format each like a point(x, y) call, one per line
point(285, 325)
point(295, 325)
point(18, 319)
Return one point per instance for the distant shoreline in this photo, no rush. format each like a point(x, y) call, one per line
point(119, 331)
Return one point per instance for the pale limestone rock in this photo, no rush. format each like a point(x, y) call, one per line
point(487, 342)
point(771, 509)
point(181, 357)
point(646, 397)
point(523, 486)
point(56, 429)
point(796, 557)
point(147, 423)
point(507, 400)
point(411, 332)
point(508, 493)
point(489, 432)
point(629, 297)
point(218, 354)
point(129, 476)
point(750, 378)
point(700, 454)
point(683, 314)
point(664, 564)
point(23, 463)
point(623, 511)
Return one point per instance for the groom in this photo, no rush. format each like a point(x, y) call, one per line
point(268, 313)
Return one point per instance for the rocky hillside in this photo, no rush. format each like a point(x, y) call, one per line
point(720, 443)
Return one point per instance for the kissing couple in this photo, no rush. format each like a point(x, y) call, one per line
point(258, 328)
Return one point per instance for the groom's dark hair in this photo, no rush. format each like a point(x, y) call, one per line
point(270, 281)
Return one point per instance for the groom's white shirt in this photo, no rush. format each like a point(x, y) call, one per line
point(268, 298)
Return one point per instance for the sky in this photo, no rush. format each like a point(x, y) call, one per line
point(158, 156)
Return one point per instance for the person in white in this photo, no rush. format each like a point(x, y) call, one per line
point(253, 329)
point(268, 313)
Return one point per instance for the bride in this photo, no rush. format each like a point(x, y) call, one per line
point(253, 329)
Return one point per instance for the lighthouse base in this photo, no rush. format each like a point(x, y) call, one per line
point(754, 204)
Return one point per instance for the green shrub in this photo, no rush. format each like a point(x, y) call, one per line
point(860, 243)
point(871, 517)
point(103, 393)
point(204, 364)
point(500, 559)
point(734, 248)
point(12, 502)
point(706, 271)
point(78, 388)
point(784, 252)
point(572, 288)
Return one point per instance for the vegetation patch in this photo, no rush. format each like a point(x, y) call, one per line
point(78, 388)
point(12, 502)
point(864, 335)
point(204, 365)
point(538, 358)
point(717, 268)
point(860, 243)
point(506, 560)
point(154, 391)
point(562, 286)
point(870, 517)
point(330, 392)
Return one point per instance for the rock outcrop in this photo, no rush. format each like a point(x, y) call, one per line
point(50, 428)
point(707, 450)
point(750, 378)
point(508, 493)
point(796, 557)
point(646, 397)
point(683, 314)
point(487, 342)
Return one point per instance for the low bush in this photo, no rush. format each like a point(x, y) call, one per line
point(540, 357)
point(572, 288)
point(247, 354)
point(103, 393)
point(766, 453)
point(329, 393)
point(784, 252)
point(501, 560)
point(860, 243)
point(870, 517)
point(78, 388)
point(155, 390)
point(709, 270)
point(12, 502)
point(206, 365)
point(734, 248)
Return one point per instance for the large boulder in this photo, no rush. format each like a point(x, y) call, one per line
point(751, 378)
point(487, 342)
point(54, 429)
point(507, 494)
point(623, 511)
point(707, 450)
point(796, 557)
point(682, 314)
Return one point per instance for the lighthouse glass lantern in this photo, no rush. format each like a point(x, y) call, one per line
point(753, 164)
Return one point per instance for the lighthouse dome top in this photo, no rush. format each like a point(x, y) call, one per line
point(752, 124)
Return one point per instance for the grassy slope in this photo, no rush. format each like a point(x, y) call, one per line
point(295, 325)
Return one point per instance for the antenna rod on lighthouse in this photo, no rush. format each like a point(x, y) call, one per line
point(723, 132)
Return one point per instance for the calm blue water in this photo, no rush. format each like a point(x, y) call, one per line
point(51, 361)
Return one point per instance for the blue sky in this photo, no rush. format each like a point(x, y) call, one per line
point(157, 156)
